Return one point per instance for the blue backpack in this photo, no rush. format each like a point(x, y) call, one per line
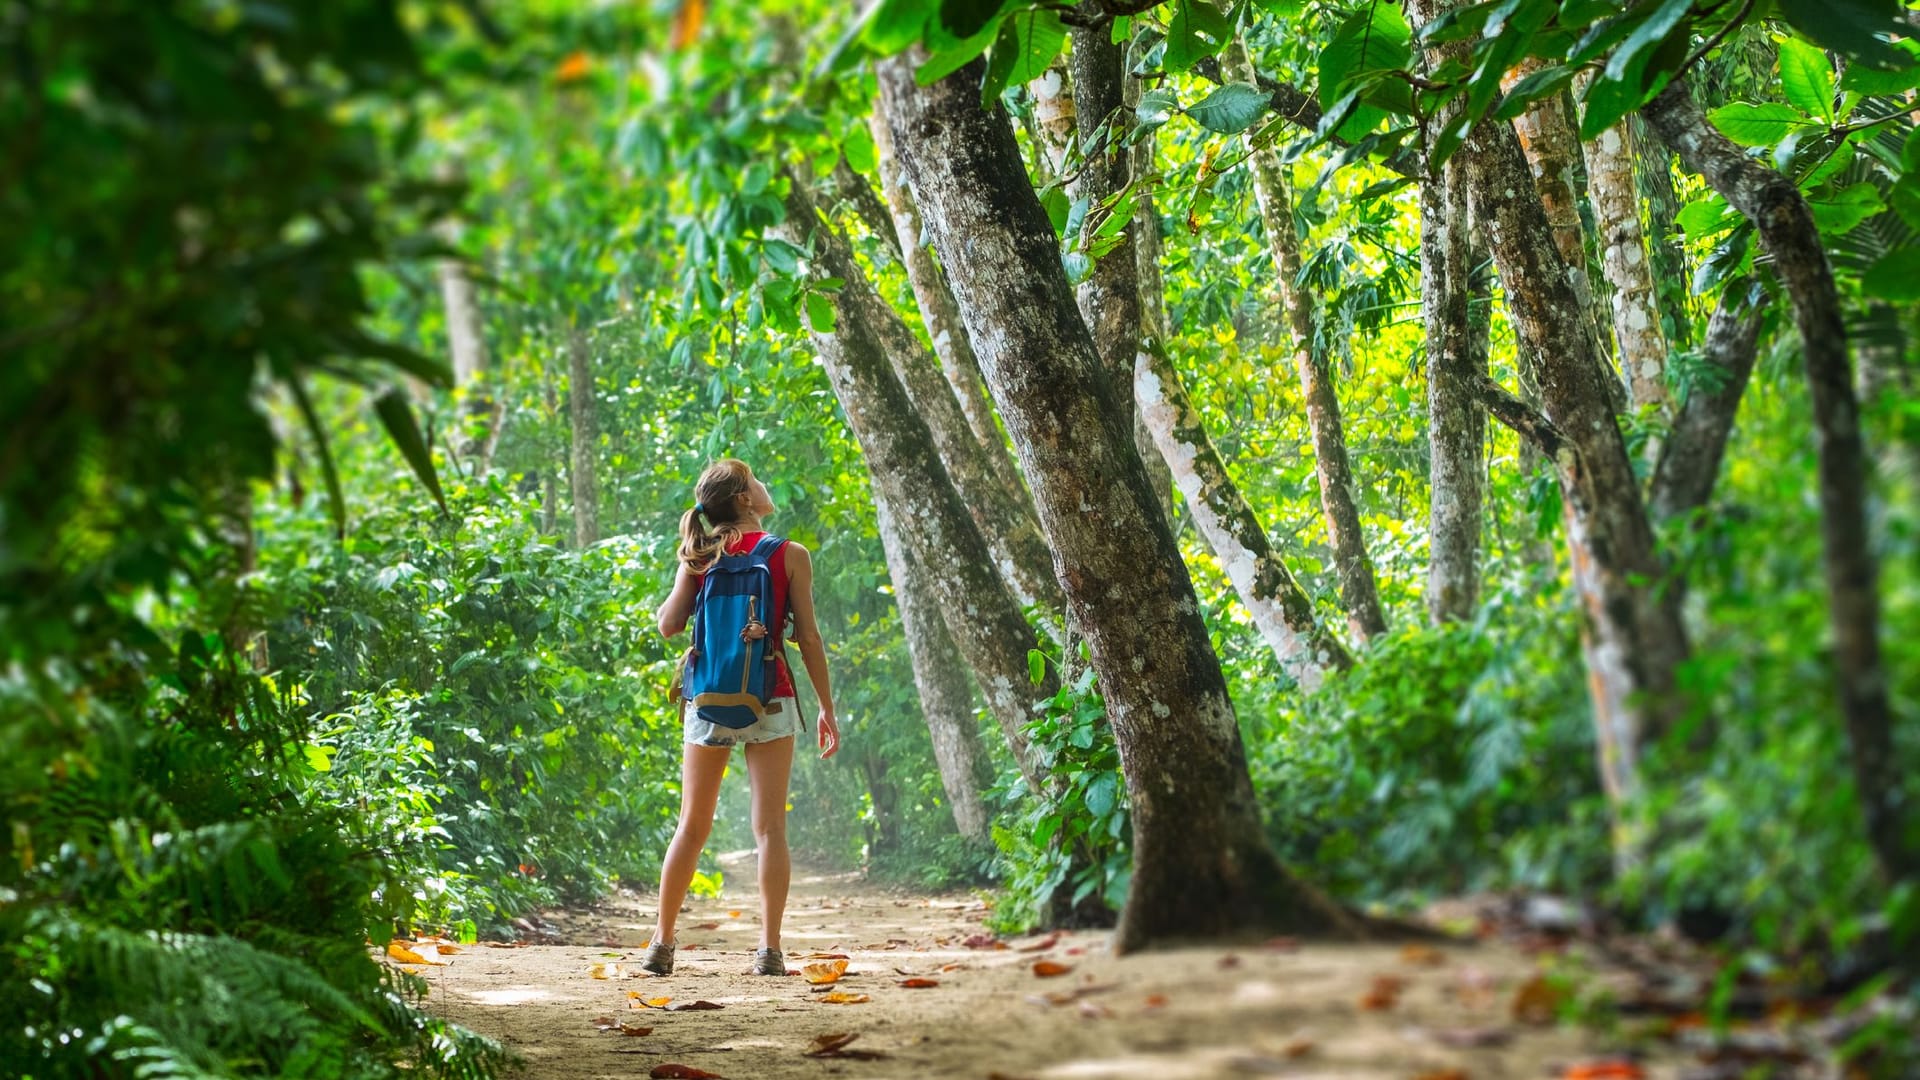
point(728, 674)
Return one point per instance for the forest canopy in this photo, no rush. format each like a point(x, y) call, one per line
point(1267, 466)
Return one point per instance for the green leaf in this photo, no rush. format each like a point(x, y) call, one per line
point(782, 256)
point(951, 58)
point(1056, 203)
point(1853, 27)
point(858, 147)
point(1036, 665)
point(397, 416)
point(1156, 107)
point(1544, 83)
point(820, 313)
point(1231, 108)
point(1706, 216)
point(1839, 212)
point(1764, 124)
point(1196, 31)
point(319, 758)
point(896, 24)
point(1629, 61)
point(1895, 277)
point(1038, 34)
point(1806, 78)
point(965, 18)
point(329, 472)
point(1862, 79)
point(1101, 795)
point(1367, 44)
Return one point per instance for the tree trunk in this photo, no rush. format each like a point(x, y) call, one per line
point(584, 413)
point(1615, 197)
point(941, 318)
point(853, 188)
point(1278, 606)
point(1021, 554)
point(1457, 425)
point(467, 344)
point(1358, 593)
point(1153, 301)
point(1666, 250)
point(1690, 458)
point(1635, 638)
point(1053, 118)
point(982, 614)
point(946, 698)
point(1202, 866)
point(1785, 223)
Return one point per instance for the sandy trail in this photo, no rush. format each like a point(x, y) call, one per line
point(1275, 1011)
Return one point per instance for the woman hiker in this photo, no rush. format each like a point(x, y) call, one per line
point(733, 503)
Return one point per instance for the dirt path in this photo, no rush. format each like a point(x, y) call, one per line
point(1279, 1010)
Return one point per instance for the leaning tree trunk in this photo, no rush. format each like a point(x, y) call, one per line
point(1636, 641)
point(1153, 299)
point(1786, 226)
point(1456, 425)
point(946, 698)
point(1689, 460)
point(982, 614)
point(1021, 554)
point(1354, 570)
point(941, 318)
point(1615, 197)
point(586, 439)
point(1202, 866)
point(1280, 609)
point(1111, 298)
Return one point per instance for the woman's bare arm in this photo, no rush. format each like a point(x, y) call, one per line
point(678, 606)
point(806, 629)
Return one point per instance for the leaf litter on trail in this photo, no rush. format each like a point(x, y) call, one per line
point(835, 1046)
point(1443, 1074)
point(695, 1006)
point(1538, 1001)
point(607, 971)
point(1042, 945)
point(1605, 1070)
point(676, 1071)
point(918, 983)
point(1047, 969)
point(637, 1000)
point(1383, 994)
point(841, 997)
point(1422, 956)
point(825, 972)
point(398, 950)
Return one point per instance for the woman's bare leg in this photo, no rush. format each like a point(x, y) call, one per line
point(769, 764)
point(701, 771)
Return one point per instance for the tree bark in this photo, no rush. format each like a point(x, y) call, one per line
point(584, 413)
point(1689, 459)
point(1053, 118)
point(1666, 250)
point(1354, 570)
point(1456, 425)
point(467, 345)
point(1785, 223)
point(1615, 198)
point(1202, 867)
point(983, 617)
point(1279, 608)
point(852, 187)
point(946, 697)
point(1153, 302)
point(941, 318)
point(1635, 638)
point(1020, 552)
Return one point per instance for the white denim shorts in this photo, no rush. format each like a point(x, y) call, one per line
point(774, 725)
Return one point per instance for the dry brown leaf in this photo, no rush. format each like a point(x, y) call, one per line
point(1469, 1038)
point(447, 950)
point(1156, 1001)
point(1422, 956)
point(919, 983)
point(1384, 993)
point(634, 1030)
point(1229, 961)
point(399, 951)
point(1298, 1048)
point(1443, 1074)
point(841, 997)
point(825, 972)
point(505, 944)
point(604, 1023)
point(1043, 944)
point(1047, 969)
point(827, 1044)
point(674, 1071)
point(705, 926)
point(984, 941)
point(951, 967)
point(1538, 1001)
point(695, 1006)
point(1605, 1070)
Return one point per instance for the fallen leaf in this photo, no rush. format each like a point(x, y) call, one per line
point(399, 951)
point(1422, 956)
point(1605, 1070)
point(1043, 944)
point(605, 971)
point(1281, 944)
point(1047, 969)
point(734, 914)
point(694, 1006)
point(634, 1030)
point(604, 1023)
point(825, 956)
point(841, 997)
point(826, 972)
point(827, 1044)
point(1538, 1001)
point(951, 967)
point(919, 983)
point(1443, 1074)
point(681, 1072)
point(1156, 1001)
point(1229, 961)
point(984, 941)
point(1298, 1048)
point(705, 926)
point(1384, 993)
point(635, 1000)
point(447, 950)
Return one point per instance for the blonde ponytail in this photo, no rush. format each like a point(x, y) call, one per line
point(717, 501)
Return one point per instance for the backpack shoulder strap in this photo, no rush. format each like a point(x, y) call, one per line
point(766, 546)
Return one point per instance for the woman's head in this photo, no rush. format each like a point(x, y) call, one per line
point(727, 497)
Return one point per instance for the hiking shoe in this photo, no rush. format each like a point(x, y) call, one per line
point(769, 962)
point(659, 959)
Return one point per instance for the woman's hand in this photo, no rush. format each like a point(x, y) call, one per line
point(829, 734)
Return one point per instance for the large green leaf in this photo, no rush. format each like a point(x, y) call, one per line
point(896, 24)
point(1806, 78)
point(1373, 41)
point(1840, 211)
point(1762, 124)
point(329, 472)
point(1196, 31)
point(1028, 41)
point(1857, 28)
point(1895, 277)
point(397, 417)
point(1231, 108)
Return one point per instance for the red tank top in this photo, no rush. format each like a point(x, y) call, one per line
point(777, 566)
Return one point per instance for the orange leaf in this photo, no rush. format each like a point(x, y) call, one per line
point(1422, 956)
point(1043, 944)
point(1443, 1074)
point(605, 971)
point(1156, 1001)
point(733, 914)
point(636, 1001)
point(1383, 994)
point(448, 950)
point(686, 23)
point(1047, 969)
point(673, 1071)
point(400, 952)
point(572, 69)
point(1606, 1070)
point(919, 984)
point(823, 973)
point(1538, 1001)
point(634, 1030)
point(841, 997)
